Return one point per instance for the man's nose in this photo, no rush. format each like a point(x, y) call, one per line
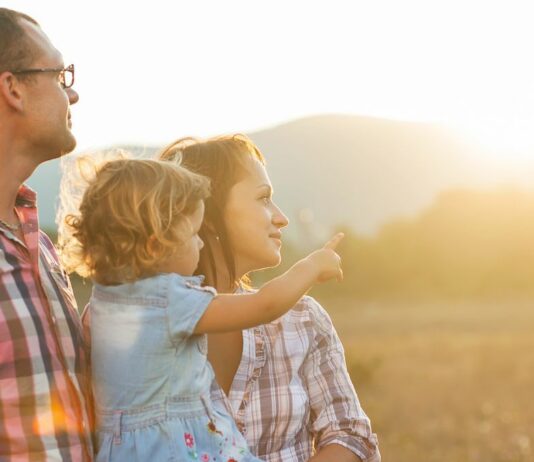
point(73, 96)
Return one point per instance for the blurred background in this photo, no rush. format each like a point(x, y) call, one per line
point(408, 125)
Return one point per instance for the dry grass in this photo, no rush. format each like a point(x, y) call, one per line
point(443, 382)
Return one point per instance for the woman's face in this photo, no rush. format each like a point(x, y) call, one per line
point(253, 221)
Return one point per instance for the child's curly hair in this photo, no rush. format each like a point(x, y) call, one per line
point(133, 213)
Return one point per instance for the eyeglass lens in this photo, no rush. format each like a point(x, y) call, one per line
point(66, 77)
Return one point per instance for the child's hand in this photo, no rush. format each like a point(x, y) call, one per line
point(326, 261)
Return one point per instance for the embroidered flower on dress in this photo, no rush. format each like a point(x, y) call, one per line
point(212, 428)
point(189, 440)
point(205, 458)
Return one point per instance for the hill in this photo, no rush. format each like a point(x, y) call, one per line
point(338, 169)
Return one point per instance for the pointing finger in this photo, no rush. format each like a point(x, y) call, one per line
point(332, 243)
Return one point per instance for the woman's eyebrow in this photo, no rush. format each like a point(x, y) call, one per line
point(265, 185)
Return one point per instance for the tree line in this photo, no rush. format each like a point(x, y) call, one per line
point(474, 244)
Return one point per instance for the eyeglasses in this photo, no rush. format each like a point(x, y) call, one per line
point(65, 75)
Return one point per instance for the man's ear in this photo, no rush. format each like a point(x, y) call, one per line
point(11, 91)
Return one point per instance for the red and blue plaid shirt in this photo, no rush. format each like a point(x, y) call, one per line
point(44, 383)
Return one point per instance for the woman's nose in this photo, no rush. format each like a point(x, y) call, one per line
point(279, 219)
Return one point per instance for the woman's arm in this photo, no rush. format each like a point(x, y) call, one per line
point(337, 418)
point(236, 312)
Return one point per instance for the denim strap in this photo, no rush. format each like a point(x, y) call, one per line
point(117, 424)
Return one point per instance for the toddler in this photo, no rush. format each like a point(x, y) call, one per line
point(136, 236)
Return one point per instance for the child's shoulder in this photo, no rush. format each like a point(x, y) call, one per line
point(188, 288)
point(157, 290)
point(146, 291)
point(195, 283)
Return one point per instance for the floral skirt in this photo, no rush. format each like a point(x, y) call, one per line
point(179, 430)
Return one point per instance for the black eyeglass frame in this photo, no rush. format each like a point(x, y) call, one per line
point(61, 70)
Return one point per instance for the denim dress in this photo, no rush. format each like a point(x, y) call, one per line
point(151, 377)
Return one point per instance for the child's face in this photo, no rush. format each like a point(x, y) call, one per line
point(185, 261)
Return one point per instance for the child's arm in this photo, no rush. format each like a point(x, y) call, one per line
point(235, 312)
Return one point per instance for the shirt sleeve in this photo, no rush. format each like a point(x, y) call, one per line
point(336, 414)
point(188, 301)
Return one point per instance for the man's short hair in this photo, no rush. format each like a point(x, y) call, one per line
point(16, 50)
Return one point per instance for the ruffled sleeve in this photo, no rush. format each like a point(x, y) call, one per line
point(188, 301)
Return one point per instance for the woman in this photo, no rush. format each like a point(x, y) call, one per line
point(285, 382)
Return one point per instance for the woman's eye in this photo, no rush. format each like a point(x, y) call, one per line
point(266, 199)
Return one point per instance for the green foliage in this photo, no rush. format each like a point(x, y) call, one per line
point(51, 233)
point(467, 244)
point(362, 371)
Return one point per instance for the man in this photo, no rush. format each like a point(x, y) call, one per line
point(44, 390)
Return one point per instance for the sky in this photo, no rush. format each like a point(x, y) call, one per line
point(150, 72)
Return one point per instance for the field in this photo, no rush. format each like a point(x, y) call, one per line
point(444, 381)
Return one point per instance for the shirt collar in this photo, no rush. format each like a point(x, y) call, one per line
point(26, 197)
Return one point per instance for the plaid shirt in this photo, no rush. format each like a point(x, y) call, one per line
point(292, 393)
point(43, 377)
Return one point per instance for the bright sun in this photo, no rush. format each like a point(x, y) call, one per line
point(504, 139)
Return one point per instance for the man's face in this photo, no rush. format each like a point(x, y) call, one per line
point(47, 117)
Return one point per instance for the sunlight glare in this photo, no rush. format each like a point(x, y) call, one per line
point(505, 139)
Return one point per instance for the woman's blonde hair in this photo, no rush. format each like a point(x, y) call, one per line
point(133, 213)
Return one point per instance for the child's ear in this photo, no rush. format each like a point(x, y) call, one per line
point(152, 246)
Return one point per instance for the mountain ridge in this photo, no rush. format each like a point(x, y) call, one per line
point(353, 170)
